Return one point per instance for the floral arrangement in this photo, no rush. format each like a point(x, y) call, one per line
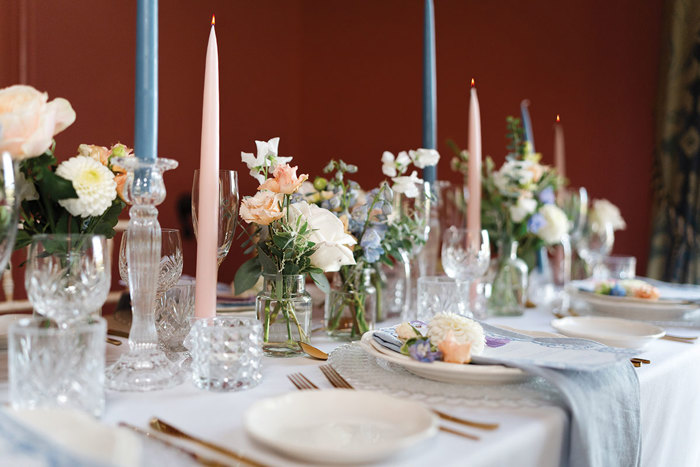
point(82, 194)
point(450, 338)
point(603, 211)
point(628, 288)
point(519, 199)
point(291, 236)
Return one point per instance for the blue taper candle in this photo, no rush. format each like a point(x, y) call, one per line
point(429, 88)
point(146, 118)
point(527, 123)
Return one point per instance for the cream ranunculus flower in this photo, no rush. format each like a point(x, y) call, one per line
point(93, 182)
point(328, 233)
point(423, 158)
point(262, 209)
point(522, 208)
point(604, 211)
point(28, 122)
point(556, 224)
point(463, 329)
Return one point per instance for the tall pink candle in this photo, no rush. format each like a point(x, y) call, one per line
point(474, 178)
point(208, 209)
point(559, 157)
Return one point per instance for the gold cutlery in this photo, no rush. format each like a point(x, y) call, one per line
point(312, 351)
point(163, 427)
point(458, 433)
point(685, 340)
point(201, 460)
point(109, 340)
point(118, 333)
point(337, 381)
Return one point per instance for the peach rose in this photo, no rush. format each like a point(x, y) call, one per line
point(261, 209)
point(453, 351)
point(99, 153)
point(28, 122)
point(285, 180)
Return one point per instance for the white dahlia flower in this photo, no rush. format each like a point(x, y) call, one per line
point(93, 182)
point(465, 331)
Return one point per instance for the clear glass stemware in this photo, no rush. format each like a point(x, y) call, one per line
point(465, 253)
point(170, 268)
point(228, 209)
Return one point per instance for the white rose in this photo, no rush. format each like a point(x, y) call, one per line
point(29, 122)
point(522, 208)
point(328, 233)
point(557, 224)
point(604, 211)
point(408, 185)
point(423, 158)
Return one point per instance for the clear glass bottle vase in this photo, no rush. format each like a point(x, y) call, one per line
point(509, 287)
point(284, 309)
point(351, 305)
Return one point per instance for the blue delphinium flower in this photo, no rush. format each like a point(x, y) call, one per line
point(536, 222)
point(546, 196)
point(371, 245)
point(618, 291)
point(422, 352)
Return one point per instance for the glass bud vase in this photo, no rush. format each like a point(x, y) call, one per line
point(509, 287)
point(284, 309)
point(393, 285)
point(351, 305)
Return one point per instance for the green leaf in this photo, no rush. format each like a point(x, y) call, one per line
point(247, 275)
point(58, 187)
point(268, 264)
point(321, 281)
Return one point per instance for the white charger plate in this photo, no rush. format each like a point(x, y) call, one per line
point(339, 427)
point(614, 332)
point(5, 322)
point(445, 372)
point(636, 308)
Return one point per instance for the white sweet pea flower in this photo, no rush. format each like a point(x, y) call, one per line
point(604, 211)
point(522, 208)
point(392, 167)
point(556, 224)
point(408, 185)
point(423, 158)
point(328, 233)
point(267, 158)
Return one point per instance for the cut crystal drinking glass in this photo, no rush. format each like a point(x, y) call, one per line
point(228, 209)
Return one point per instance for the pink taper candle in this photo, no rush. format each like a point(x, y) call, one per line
point(559, 158)
point(208, 210)
point(474, 178)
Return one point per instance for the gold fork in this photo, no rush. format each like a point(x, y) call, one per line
point(337, 381)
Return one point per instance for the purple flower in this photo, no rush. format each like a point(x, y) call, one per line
point(422, 352)
point(371, 245)
point(496, 341)
point(536, 222)
point(546, 196)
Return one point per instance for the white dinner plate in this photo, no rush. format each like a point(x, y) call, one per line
point(339, 427)
point(636, 308)
point(445, 372)
point(5, 321)
point(614, 332)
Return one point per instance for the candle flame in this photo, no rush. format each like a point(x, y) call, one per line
point(558, 120)
point(473, 85)
point(213, 20)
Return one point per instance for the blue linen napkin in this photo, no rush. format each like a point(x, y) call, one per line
point(602, 401)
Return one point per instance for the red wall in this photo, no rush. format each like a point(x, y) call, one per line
point(343, 80)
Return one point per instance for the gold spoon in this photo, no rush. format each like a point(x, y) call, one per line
point(312, 351)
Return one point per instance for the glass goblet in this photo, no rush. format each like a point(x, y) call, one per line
point(465, 253)
point(228, 209)
point(170, 260)
point(595, 243)
point(67, 276)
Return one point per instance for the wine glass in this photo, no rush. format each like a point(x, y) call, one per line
point(170, 261)
point(8, 208)
point(593, 244)
point(228, 209)
point(67, 276)
point(465, 253)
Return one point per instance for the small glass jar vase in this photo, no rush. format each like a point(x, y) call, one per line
point(351, 305)
point(284, 309)
point(509, 287)
point(393, 287)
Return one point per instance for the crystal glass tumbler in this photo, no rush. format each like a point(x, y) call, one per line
point(226, 353)
point(67, 276)
point(53, 367)
point(440, 294)
point(174, 318)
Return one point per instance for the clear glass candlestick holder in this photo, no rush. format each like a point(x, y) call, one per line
point(145, 367)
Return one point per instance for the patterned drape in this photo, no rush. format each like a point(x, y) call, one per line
point(675, 242)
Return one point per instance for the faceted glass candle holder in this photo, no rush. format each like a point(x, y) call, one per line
point(226, 353)
point(52, 367)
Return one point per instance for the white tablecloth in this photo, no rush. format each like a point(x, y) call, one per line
point(528, 436)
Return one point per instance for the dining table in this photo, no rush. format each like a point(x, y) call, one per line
point(532, 431)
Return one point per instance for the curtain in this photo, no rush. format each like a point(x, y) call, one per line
point(675, 241)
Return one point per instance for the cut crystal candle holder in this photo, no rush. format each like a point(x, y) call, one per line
point(145, 367)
